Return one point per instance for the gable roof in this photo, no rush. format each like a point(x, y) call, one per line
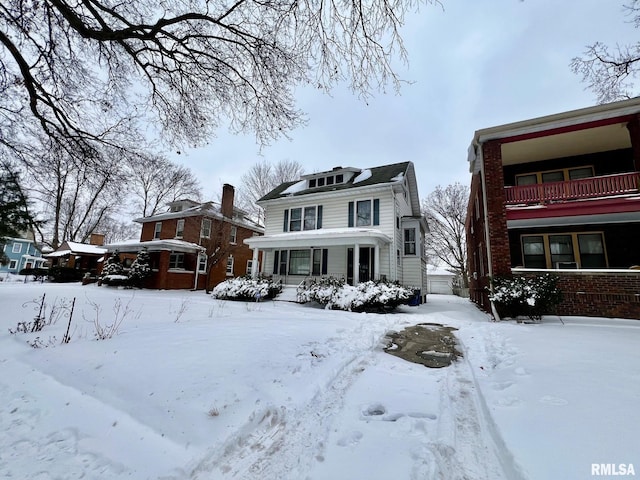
point(384, 174)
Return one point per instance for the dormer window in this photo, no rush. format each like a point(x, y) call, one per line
point(321, 182)
point(326, 180)
point(312, 183)
point(340, 178)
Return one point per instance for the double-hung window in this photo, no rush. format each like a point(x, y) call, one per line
point(364, 213)
point(156, 231)
point(17, 248)
point(180, 228)
point(233, 238)
point(303, 218)
point(229, 271)
point(409, 241)
point(176, 260)
point(205, 228)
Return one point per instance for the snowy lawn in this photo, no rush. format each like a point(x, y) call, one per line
point(198, 388)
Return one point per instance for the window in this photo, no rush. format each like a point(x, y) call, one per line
point(303, 218)
point(17, 248)
point(249, 266)
point(180, 228)
point(176, 260)
point(364, 213)
point(13, 264)
point(157, 230)
point(312, 183)
point(202, 263)
point(205, 228)
point(233, 238)
point(533, 250)
point(309, 218)
point(330, 180)
point(591, 248)
point(567, 250)
point(409, 241)
point(229, 271)
point(299, 262)
point(559, 175)
point(280, 262)
point(561, 248)
point(340, 178)
point(321, 182)
point(295, 225)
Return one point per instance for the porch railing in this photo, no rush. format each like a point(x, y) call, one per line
point(592, 187)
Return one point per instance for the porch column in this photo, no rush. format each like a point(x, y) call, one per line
point(376, 262)
point(356, 264)
point(634, 134)
point(254, 263)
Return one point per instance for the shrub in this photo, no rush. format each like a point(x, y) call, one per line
point(140, 269)
point(115, 280)
point(247, 288)
point(530, 297)
point(113, 266)
point(64, 274)
point(366, 296)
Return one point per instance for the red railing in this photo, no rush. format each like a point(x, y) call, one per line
point(592, 187)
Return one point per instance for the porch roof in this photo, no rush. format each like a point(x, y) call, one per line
point(325, 237)
point(155, 246)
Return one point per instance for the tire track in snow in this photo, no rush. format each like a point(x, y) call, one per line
point(279, 443)
point(469, 446)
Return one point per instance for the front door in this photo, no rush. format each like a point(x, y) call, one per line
point(365, 265)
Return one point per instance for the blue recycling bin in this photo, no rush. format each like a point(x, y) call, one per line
point(414, 300)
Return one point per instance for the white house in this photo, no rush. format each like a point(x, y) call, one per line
point(348, 223)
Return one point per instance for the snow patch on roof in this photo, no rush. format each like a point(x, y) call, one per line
point(295, 188)
point(364, 175)
point(398, 178)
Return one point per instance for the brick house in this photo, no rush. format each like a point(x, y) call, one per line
point(83, 257)
point(560, 193)
point(194, 245)
point(350, 223)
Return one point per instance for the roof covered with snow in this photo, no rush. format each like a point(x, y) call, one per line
point(365, 177)
point(77, 249)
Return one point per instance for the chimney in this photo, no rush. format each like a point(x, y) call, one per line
point(227, 200)
point(96, 239)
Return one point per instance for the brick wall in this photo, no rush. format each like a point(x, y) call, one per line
point(497, 212)
point(599, 294)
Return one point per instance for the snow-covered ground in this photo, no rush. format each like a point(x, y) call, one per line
point(196, 388)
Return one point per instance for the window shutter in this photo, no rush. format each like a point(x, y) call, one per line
point(376, 211)
point(276, 262)
point(325, 256)
point(285, 227)
point(351, 214)
point(319, 219)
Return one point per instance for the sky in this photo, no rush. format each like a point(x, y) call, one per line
point(471, 65)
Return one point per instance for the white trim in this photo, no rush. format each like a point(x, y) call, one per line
point(320, 238)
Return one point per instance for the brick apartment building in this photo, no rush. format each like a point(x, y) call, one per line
point(560, 194)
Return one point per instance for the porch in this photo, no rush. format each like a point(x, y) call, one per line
point(355, 255)
point(564, 191)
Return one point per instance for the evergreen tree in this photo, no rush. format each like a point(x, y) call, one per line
point(113, 266)
point(140, 268)
point(14, 214)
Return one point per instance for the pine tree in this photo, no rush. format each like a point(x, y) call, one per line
point(140, 268)
point(113, 266)
point(14, 214)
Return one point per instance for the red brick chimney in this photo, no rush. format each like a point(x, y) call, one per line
point(226, 206)
point(96, 239)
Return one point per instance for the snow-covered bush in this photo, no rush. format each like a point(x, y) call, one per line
point(113, 265)
point(366, 296)
point(140, 269)
point(530, 297)
point(247, 288)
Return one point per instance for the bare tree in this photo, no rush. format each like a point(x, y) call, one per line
point(90, 72)
point(156, 181)
point(445, 210)
point(611, 72)
point(263, 177)
point(77, 195)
